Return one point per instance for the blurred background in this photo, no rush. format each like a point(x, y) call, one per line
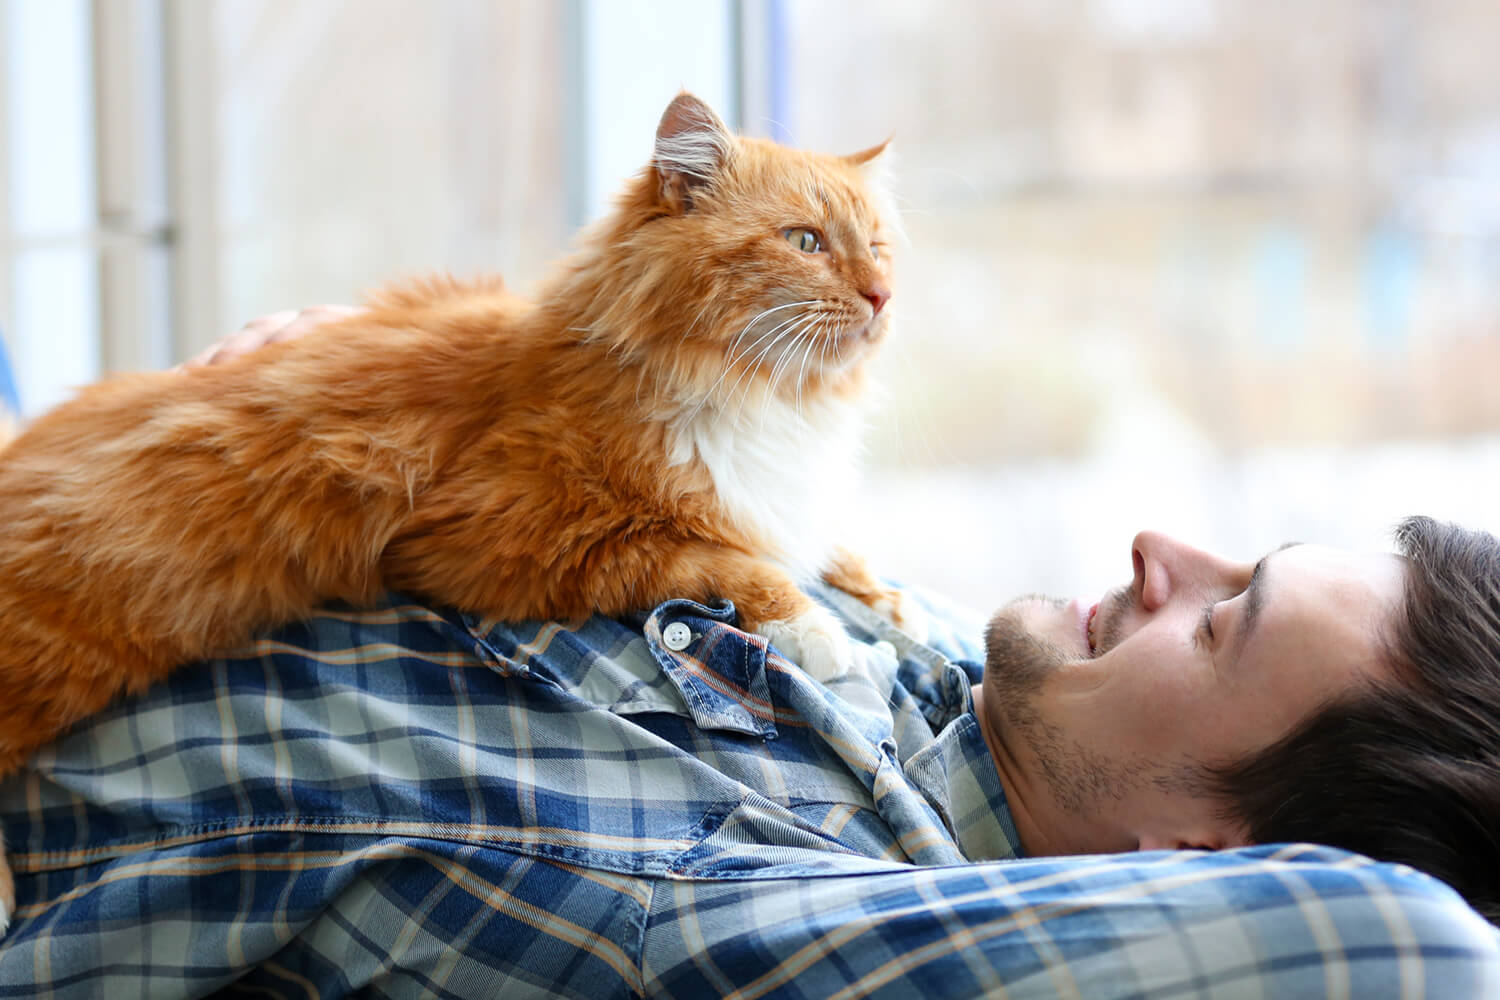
point(1230, 269)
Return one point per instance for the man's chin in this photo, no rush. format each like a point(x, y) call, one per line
point(1017, 657)
point(1032, 612)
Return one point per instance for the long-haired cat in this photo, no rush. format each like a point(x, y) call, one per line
point(674, 414)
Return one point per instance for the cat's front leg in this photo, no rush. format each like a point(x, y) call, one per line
point(768, 601)
point(849, 573)
point(813, 638)
point(7, 889)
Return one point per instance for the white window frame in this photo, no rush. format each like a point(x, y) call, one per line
point(85, 230)
point(633, 56)
point(133, 83)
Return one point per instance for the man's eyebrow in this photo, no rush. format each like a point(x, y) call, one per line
point(1255, 595)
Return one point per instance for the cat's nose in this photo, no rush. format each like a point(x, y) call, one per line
point(877, 295)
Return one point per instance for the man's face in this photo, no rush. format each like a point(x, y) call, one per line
point(1101, 715)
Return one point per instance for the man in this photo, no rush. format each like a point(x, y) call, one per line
point(1317, 695)
point(415, 802)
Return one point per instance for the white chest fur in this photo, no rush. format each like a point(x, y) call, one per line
point(782, 473)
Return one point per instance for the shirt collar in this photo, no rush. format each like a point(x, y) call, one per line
point(955, 772)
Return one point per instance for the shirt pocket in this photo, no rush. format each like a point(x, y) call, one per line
point(685, 659)
point(759, 838)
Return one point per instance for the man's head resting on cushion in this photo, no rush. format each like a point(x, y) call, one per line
point(1350, 699)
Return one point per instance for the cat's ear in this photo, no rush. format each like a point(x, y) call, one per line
point(876, 165)
point(692, 148)
point(867, 156)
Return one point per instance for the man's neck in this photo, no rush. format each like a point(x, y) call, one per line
point(1043, 829)
point(1033, 842)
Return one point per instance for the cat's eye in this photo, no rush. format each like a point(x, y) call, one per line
point(875, 250)
point(804, 239)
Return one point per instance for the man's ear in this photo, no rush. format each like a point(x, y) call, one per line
point(1215, 836)
point(692, 148)
point(1150, 843)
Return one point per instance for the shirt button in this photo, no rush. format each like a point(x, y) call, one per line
point(676, 637)
point(886, 647)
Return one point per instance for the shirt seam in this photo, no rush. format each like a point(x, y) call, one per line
point(59, 859)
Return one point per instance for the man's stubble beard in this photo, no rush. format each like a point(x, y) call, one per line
point(1017, 665)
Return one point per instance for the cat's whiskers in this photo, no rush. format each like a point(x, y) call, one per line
point(806, 357)
point(782, 361)
point(823, 341)
point(708, 396)
point(801, 348)
point(814, 334)
point(822, 366)
point(783, 365)
point(766, 312)
point(728, 367)
point(756, 364)
point(769, 392)
point(829, 342)
point(789, 353)
point(735, 341)
point(786, 329)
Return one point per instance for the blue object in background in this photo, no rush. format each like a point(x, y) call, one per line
point(1281, 284)
point(779, 44)
point(10, 399)
point(1391, 260)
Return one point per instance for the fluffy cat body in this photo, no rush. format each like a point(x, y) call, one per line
point(809, 454)
point(675, 413)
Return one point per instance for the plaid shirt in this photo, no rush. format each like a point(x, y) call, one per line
point(414, 803)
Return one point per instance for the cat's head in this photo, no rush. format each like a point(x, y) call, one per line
point(747, 263)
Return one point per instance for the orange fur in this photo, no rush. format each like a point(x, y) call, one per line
point(851, 574)
point(509, 457)
point(518, 459)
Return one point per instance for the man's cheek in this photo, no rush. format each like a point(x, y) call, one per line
point(1155, 708)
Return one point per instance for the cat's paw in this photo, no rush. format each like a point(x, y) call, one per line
point(7, 893)
point(814, 640)
point(902, 611)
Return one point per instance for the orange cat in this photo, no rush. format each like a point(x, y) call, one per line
point(674, 415)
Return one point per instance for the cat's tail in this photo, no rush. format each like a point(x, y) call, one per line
point(432, 289)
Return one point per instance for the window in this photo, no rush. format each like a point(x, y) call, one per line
point(1178, 264)
point(1173, 263)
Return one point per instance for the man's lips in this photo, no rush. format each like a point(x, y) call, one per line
point(1088, 630)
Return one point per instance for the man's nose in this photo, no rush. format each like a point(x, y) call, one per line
point(1147, 558)
point(1164, 565)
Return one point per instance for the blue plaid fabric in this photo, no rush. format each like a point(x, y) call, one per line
point(403, 802)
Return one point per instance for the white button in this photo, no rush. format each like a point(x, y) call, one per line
point(676, 637)
point(886, 647)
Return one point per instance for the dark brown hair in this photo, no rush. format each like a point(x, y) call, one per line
point(1406, 771)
